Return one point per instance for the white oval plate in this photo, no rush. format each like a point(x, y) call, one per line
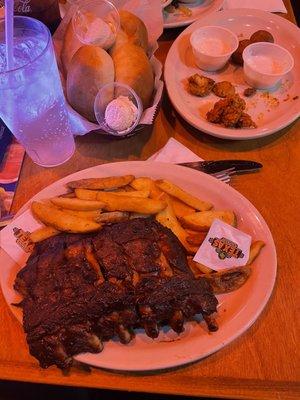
point(237, 311)
point(201, 8)
point(271, 113)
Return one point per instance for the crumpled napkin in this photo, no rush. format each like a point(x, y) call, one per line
point(265, 5)
point(174, 152)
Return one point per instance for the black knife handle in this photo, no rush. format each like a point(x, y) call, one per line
point(211, 167)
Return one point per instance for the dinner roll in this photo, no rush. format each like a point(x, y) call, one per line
point(133, 68)
point(133, 30)
point(91, 67)
point(70, 45)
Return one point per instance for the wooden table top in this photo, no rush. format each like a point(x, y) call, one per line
point(262, 363)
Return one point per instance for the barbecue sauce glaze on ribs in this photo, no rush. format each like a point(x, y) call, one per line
point(81, 290)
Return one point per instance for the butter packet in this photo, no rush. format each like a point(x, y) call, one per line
point(224, 247)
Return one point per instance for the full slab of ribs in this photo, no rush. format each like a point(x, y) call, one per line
point(81, 290)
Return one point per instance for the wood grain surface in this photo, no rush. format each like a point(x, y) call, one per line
point(263, 362)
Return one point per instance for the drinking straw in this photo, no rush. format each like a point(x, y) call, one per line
point(9, 33)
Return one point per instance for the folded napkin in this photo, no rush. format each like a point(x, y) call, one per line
point(174, 152)
point(265, 5)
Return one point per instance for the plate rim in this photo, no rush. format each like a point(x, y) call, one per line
point(266, 296)
point(189, 21)
point(215, 130)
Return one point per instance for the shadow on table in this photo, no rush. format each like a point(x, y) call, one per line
point(33, 391)
point(109, 148)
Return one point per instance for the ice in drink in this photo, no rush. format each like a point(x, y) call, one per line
point(32, 102)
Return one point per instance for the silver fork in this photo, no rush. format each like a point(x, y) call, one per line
point(225, 175)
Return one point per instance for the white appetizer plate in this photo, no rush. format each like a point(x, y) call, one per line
point(237, 311)
point(271, 111)
point(200, 9)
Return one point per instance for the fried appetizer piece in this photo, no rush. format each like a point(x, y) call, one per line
point(245, 121)
point(227, 111)
point(249, 92)
point(223, 89)
point(237, 56)
point(200, 85)
point(215, 114)
point(233, 111)
point(262, 36)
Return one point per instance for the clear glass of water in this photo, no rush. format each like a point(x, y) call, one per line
point(32, 102)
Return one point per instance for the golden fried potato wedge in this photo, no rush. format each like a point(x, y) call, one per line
point(126, 188)
point(143, 194)
point(69, 195)
point(155, 192)
point(197, 268)
point(43, 233)
point(142, 183)
point(86, 194)
point(201, 221)
point(229, 279)
point(145, 183)
point(139, 215)
point(77, 204)
point(191, 232)
point(62, 221)
point(255, 249)
point(185, 197)
point(91, 215)
point(181, 209)
point(114, 202)
point(114, 216)
point(168, 219)
point(196, 239)
point(111, 182)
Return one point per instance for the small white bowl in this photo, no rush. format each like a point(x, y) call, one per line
point(110, 92)
point(212, 47)
point(265, 64)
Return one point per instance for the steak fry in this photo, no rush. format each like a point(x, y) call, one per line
point(81, 290)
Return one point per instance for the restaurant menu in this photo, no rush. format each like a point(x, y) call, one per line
point(11, 157)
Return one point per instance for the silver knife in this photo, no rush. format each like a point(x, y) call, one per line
point(212, 167)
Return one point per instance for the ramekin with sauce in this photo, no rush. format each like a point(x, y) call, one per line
point(212, 47)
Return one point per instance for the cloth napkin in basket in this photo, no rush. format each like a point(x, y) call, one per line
point(265, 5)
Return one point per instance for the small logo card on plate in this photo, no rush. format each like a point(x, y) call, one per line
point(224, 247)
